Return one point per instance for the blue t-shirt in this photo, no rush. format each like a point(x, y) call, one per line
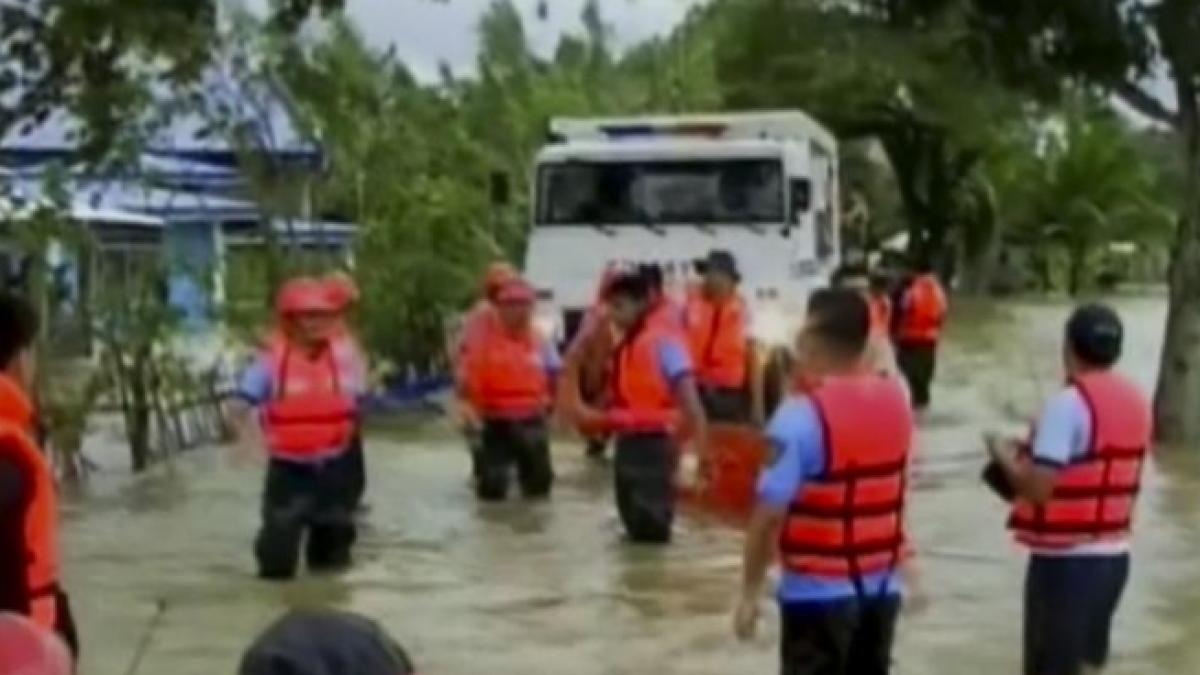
point(798, 439)
point(674, 362)
point(257, 383)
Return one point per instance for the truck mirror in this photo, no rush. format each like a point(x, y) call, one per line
point(801, 196)
point(498, 187)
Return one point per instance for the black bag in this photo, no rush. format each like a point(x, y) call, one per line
point(998, 482)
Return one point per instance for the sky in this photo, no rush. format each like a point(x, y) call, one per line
point(426, 33)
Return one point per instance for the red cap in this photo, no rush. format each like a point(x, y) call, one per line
point(304, 294)
point(516, 291)
point(342, 290)
point(28, 649)
point(498, 274)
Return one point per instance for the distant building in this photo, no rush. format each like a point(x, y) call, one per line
point(184, 200)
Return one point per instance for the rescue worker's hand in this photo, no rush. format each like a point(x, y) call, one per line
point(247, 452)
point(745, 617)
point(1001, 449)
point(469, 419)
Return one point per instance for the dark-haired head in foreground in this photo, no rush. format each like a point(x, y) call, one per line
point(325, 642)
point(836, 326)
point(19, 327)
point(1093, 338)
point(629, 297)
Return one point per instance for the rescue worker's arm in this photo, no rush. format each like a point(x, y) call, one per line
point(795, 436)
point(1062, 432)
point(757, 555)
point(1030, 481)
point(694, 418)
point(553, 364)
point(253, 390)
point(755, 378)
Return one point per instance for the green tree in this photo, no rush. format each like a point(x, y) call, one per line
point(869, 70)
point(1122, 49)
point(109, 62)
point(1093, 189)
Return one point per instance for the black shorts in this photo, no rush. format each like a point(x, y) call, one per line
point(1069, 606)
point(845, 637)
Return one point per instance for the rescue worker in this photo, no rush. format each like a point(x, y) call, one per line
point(477, 321)
point(663, 306)
point(654, 402)
point(29, 561)
point(510, 372)
point(717, 320)
point(879, 298)
point(308, 408)
point(1075, 487)
point(831, 503)
point(920, 314)
point(344, 295)
point(879, 356)
point(587, 361)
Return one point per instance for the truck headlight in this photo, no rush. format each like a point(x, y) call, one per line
point(773, 326)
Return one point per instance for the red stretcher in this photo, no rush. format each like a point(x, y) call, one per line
point(727, 484)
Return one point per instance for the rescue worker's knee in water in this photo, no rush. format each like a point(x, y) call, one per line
point(535, 469)
point(644, 487)
point(537, 479)
point(329, 547)
point(278, 551)
point(491, 483)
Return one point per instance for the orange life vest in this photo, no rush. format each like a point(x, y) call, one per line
point(717, 337)
point(669, 314)
point(849, 522)
point(41, 514)
point(1094, 495)
point(311, 412)
point(642, 398)
point(923, 310)
point(506, 374)
point(881, 313)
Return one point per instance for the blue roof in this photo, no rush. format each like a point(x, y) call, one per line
point(259, 109)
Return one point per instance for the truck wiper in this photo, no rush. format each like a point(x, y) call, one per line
point(645, 221)
point(604, 229)
point(755, 228)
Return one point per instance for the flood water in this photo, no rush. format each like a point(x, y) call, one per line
point(551, 588)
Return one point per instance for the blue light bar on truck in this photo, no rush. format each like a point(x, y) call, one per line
point(641, 130)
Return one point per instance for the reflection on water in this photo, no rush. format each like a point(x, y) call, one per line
point(520, 588)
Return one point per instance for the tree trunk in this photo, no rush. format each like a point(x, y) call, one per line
point(139, 429)
point(1177, 397)
point(1078, 265)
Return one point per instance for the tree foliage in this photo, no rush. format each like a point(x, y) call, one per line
point(107, 62)
point(1122, 49)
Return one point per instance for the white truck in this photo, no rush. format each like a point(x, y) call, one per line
point(667, 190)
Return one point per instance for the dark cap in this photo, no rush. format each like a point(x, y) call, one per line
point(719, 261)
point(1095, 334)
point(629, 284)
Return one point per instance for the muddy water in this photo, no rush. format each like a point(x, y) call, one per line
point(550, 588)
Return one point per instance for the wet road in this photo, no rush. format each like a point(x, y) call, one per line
point(551, 588)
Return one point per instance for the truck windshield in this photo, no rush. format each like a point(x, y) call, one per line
point(734, 191)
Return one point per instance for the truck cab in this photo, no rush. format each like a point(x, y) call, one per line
point(667, 190)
